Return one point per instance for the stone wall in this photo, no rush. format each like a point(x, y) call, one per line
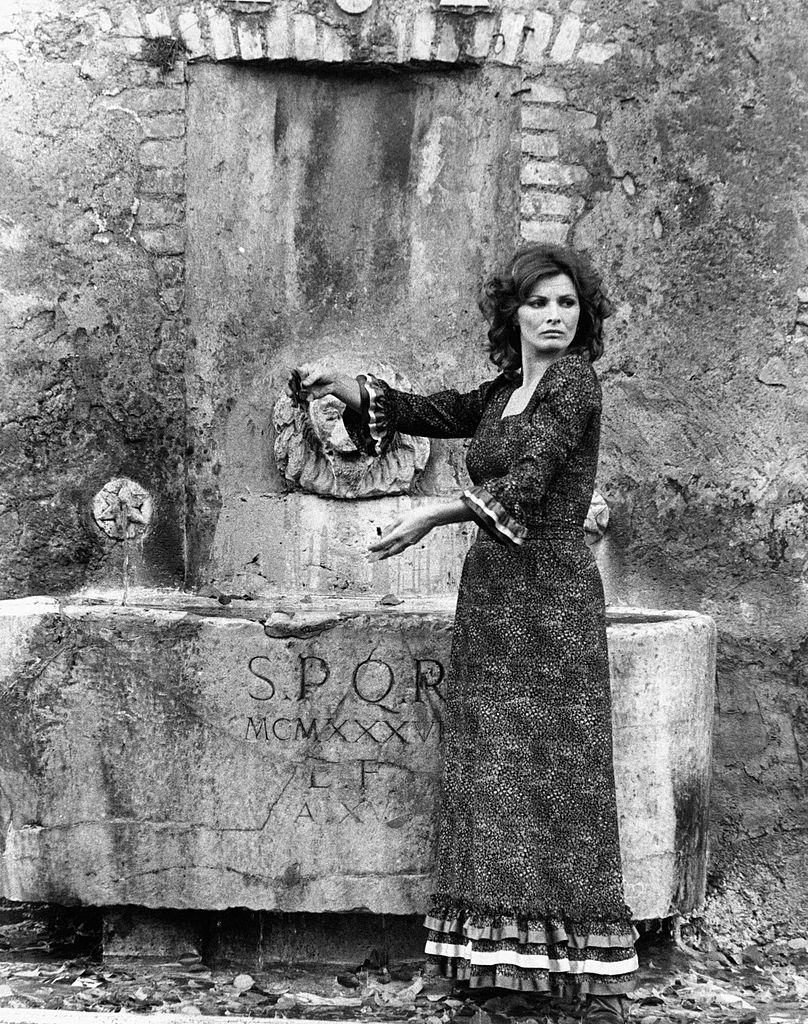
point(667, 137)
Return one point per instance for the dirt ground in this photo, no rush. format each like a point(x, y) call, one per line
point(49, 961)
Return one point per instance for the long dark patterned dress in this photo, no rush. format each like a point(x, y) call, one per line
point(529, 891)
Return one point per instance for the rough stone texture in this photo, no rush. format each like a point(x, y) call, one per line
point(190, 756)
point(706, 390)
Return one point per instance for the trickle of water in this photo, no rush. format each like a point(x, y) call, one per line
point(126, 564)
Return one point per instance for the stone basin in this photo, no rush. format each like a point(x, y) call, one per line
point(285, 755)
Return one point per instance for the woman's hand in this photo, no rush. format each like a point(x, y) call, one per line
point(317, 382)
point(405, 530)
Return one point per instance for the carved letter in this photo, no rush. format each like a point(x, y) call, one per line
point(423, 674)
point(275, 725)
point(426, 732)
point(362, 671)
point(337, 729)
point(307, 683)
point(367, 730)
point(257, 729)
point(302, 733)
point(396, 731)
point(305, 812)
point(254, 667)
point(351, 811)
point(365, 771)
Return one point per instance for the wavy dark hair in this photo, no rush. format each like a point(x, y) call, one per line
point(503, 293)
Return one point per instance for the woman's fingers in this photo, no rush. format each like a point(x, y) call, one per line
point(388, 537)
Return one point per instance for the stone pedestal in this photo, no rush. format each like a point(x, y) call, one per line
point(183, 754)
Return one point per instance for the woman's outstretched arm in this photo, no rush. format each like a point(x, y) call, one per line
point(410, 527)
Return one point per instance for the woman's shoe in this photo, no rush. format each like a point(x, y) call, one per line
point(606, 1010)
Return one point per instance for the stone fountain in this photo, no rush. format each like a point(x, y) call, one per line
point(162, 749)
point(269, 736)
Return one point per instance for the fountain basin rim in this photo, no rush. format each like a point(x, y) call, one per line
point(283, 608)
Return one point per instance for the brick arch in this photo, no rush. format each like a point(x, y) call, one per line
point(453, 33)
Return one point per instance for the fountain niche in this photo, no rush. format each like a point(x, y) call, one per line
point(269, 737)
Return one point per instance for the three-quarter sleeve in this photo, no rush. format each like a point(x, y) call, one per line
point(504, 505)
point(386, 411)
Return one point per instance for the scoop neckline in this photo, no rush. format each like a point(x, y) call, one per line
point(515, 415)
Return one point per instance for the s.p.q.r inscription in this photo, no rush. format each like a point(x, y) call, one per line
point(372, 681)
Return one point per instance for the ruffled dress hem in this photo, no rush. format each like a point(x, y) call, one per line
point(525, 954)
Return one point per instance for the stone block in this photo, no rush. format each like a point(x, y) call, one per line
point(156, 99)
point(550, 204)
point(276, 33)
point(191, 33)
point(221, 34)
point(162, 153)
point(544, 230)
point(399, 29)
point(547, 172)
point(538, 38)
point(161, 182)
point(164, 126)
point(157, 24)
point(548, 117)
point(567, 39)
point(346, 939)
point(544, 145)
point(153, 211)
point(179, 753)
point(510, 37)
point(167, 241)
point(131, 932)
point(540, 92)
point(448, 48)
point(423, 32)
point(332, 46)
point(130, 25)
point(482, 39)
point(250, 41)
point(304, 32)
point(597, 53)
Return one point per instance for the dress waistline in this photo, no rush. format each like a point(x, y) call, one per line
point(547, 528)
point(554, 528)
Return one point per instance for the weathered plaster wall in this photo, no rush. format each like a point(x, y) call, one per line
point(695, 207)
point(670, 134)
point(87, 372)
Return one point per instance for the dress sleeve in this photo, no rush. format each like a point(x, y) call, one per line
point(386, 411)
point(502, 506)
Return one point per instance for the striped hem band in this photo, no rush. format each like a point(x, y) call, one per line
point(535, 961)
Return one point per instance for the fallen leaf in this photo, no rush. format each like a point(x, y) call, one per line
point(800, 986)
point(411, 991)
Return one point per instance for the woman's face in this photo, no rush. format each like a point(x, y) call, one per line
point(548, 318)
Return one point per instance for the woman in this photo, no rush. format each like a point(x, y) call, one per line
point(529, 885)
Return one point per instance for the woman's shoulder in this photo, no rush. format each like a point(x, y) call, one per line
point(573, 368)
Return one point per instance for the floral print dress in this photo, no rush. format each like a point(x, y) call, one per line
point(528, 883)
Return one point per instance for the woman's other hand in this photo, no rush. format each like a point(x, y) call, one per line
point(405, 530)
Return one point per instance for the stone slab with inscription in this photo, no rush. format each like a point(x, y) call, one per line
point(180, 753)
